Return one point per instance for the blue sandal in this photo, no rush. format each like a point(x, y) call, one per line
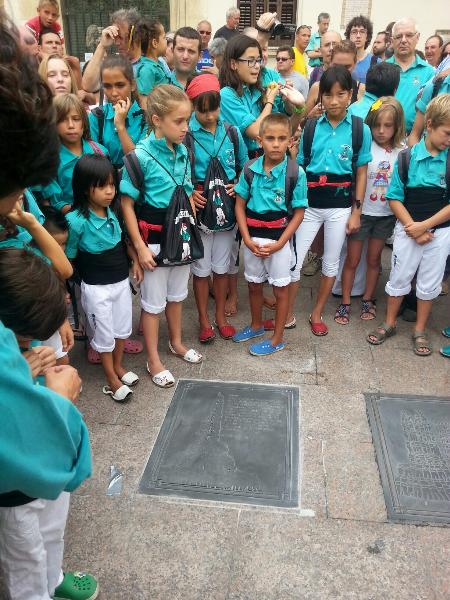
point(265, 348)
point(446, 332)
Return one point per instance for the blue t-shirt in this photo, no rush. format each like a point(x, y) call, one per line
point(331, 151)
point(206, 60)
point(361, 68)
point(218, 144)
point(268, 192)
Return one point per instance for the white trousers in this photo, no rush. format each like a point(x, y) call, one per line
point(217, 253)
point(32, 546)
point(428, 260)
point(335, 222)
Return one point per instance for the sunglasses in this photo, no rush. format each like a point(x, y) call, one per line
point(281, 59)
point(204, 32)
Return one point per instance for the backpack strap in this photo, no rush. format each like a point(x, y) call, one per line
point(232, 133)
point(436, 87)
point(134, 169)
point(95, 147)
point(403, 160)
point(99, 113)
point(357, 140)
point(248, 173)
point(290, 182)
point(307, 139)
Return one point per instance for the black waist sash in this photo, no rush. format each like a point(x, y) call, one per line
point(10, 499)
point(106, 267)
point(150, 221)
point(423, 202)
point(269, 232)
point(324, 190)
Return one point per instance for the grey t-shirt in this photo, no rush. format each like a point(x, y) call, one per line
point(299, 82)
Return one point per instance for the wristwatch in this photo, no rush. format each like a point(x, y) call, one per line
point(261, 29)
point(358, 203)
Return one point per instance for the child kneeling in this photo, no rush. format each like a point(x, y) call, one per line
point(419, 198)
point(269, 209)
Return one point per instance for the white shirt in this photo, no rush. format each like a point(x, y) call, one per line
point(379, 173)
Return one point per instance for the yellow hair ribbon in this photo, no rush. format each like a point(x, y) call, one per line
point(130, 37)
point(376, 105)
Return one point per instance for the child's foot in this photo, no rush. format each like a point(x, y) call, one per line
point(422, 346)
point(381, 333)
point(265, 348)
point(226, 331)
point(77, 586)
point(155, 366)
point(342, 315)
point(188, 355)
point(247, 334)
point(368, 310)
point(231, 306)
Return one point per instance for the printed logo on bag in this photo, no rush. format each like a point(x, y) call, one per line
point(229, 157)
point(442, 181)
point(186, 237)
point(184, 214)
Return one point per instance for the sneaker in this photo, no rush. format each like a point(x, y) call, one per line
point(265, 348)
point(247, 334)
point(311, 264)
point(77, 586)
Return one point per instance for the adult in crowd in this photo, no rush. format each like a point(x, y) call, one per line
point(57, 73)
point(381, 80)
point(231, 27)
point(359, 30)
point(433, 50)
point(117, 33)
point(327, 43)
point(33, 499)
point(50, 42)
point(380, 45)
point(285, 64)
point(187, 45)
point(217, 51)
point(302, 37)
point(415, 71)
point(313, 49)
point(204, 28)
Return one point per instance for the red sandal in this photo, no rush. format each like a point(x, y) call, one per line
point(206, 335)
point(319, 329)
point(226, 331)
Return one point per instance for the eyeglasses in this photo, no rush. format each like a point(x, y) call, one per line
point(358, 31)
point(408, 36)
point(281, 59)
point(204, 32)
point(251, 62)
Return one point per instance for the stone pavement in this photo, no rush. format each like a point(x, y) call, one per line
point(338, 544)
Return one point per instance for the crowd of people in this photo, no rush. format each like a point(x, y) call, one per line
point(171, 154)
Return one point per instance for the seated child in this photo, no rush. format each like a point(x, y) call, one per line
point(419, 196)
point(35, 485)
point(268, 213)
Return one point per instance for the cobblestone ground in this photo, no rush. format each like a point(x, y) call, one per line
point(144, 547)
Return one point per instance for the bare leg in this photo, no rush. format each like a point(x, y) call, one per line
point(354, 251)
point(293, 290)
point(108, 367)
point(201, 292)
point(174, 316)
point(232, 300)
point(255, 291)
point(374, 250)
point(423, 312)
point(118, 357)
point(282, 297)
point(150, 324)
point(393, 306)
point(220, 286)
point(325, 287)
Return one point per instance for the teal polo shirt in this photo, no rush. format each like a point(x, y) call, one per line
point(424, 170)
point(267, 76)
point(135, 126)
point(159, 186)
point(218, 144)
point(44, 446)
point(174, 81)
point(23, 239)
point(267, 192)
point(241, 111)
point(411, 80)
point(94, 234)
point(314, 44)
point(362, 107)
point(425, 97)
point(67, 162)
point(331, 151)
point(149, 73)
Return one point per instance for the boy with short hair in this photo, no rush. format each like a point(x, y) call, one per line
point(48, 13)
point(419, 197)
point(269, 209)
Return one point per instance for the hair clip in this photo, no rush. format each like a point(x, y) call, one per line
point(130, 37)
point(376, 105)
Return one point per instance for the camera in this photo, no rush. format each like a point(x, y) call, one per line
point(279, 28)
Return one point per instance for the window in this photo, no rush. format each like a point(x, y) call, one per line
point(286, 10)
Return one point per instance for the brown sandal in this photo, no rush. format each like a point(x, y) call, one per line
point(420, 340)
point(368, 307)
point(381, 333)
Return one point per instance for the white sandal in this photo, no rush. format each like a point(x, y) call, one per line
point(119, 395)
point(163, 379)
point(191, 356)
point(130, 379)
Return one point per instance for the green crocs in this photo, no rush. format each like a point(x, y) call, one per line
point(77, 586)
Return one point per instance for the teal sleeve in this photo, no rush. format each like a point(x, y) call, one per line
point(73, 238)
point(300, 195)
point(396, 189)
point(243, 152)
point(311, 44)
point(145, 80)
point(425, 96)
point(93, 126)
point(44, 443)
point(242, 188)
point(365, 154)
point(233, 110)
point(300, 157)
point(126, 187)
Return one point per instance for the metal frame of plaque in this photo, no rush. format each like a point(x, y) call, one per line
point(411, 435)
point(228, 442)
